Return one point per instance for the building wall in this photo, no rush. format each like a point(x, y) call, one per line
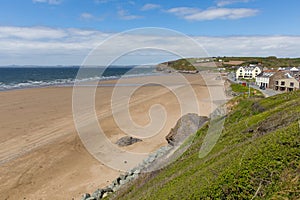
point(262, 81)
point(256, 71)
point(287, 84)
point(239, 72)
point(247, 73)
point(275, 77)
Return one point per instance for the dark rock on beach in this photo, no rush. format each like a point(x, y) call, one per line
point(85, 196)
point(127, 140)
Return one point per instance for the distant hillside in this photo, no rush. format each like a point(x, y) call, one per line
point(204, 64)
point(257, 157)
point(270, 61)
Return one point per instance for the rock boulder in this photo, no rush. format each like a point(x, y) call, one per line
point(127, 140)
point(185, 126)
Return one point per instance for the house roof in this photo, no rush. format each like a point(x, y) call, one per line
point(284, 79)
point(294, 69)
point(251, 67)
point(288, 75)
point(266, 74)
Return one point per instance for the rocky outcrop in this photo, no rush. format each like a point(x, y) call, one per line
point(185, 126)
point(164, 68)
point(114, 186)
point(127, 140)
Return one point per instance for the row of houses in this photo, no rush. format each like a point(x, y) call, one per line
point(248, 72)
point(283, 79)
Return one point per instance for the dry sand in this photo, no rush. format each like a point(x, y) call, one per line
point(41, 155)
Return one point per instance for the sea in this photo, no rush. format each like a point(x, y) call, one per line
point(21, 77)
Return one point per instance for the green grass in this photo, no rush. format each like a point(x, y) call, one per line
point(257, 156)
point(240, 89)
point(181, 64)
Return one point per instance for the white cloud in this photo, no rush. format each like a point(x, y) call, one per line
point(49, 46)
point(53, 2)
point(31, 33)
point(89, 16)
point(222, 3)
point(86, 16)
point(150, 6)
point(46, 46)
point(125, 15)
point(183, 11)
point(222, 13)
point(280, 46)
point(212, 13)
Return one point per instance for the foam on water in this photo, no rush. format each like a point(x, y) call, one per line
point(10, 81)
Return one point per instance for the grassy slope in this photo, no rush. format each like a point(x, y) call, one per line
point(257, 155)
point(240, 89)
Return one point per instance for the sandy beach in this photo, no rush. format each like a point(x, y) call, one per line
point(41, 155)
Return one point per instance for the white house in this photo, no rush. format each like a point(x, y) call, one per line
point(263, 79)
point(294, 69)
point(248, 72)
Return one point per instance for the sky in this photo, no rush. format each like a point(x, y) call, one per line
point(67, 32)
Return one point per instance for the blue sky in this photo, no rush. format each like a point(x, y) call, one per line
point(51, 25)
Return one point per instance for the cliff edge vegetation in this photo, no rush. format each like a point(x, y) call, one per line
point(181, 64)
point(256, 157)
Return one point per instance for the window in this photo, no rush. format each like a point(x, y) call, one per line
point(276, 82)
point(282, 83)
point(292, 84)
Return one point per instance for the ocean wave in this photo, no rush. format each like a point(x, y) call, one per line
point(62, 82)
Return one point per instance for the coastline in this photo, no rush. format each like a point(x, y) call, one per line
point(58, 166)
point(67, 78)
